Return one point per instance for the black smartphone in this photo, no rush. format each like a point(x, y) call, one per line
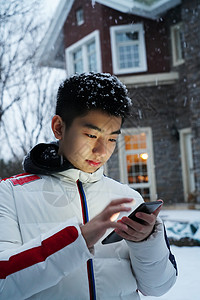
point(146, 207)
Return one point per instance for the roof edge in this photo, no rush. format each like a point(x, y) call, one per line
point(47, 48)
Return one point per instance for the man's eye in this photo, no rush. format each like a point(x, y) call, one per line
point(91, 136)
point(113, 140)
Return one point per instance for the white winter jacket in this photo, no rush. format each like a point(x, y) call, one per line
point(44, 256)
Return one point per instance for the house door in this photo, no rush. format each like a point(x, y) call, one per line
point(187, 163)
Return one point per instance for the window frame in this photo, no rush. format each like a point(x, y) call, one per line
point(82, 43)
point(187, 162)
point(142, 48)
point(150, 162)
point(176, 44)
point(80, 16)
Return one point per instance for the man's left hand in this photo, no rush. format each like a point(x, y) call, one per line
point(135, 231)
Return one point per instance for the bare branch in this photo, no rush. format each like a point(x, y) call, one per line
point(25, 91)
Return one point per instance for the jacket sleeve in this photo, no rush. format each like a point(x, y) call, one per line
point(47, 258)
point(153, 264)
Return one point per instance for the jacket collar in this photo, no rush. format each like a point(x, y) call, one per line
point(75, 174)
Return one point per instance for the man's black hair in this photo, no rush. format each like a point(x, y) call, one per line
point(84, 92)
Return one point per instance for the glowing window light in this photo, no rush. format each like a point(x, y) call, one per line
point(144, 156)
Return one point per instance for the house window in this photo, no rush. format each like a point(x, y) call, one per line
point(91, 56)
point(177, 41)
point(84, 56)
point(77, 60)
point(128, 49)
point(79, 16)
point(136, 161)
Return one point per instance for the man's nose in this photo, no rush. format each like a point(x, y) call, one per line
point(100, 148)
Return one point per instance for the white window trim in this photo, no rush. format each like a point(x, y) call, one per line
point(151, 167)
point(142, 48)
point(150, 79)
point(95, 35)
point(175, 60)
point(185, 175)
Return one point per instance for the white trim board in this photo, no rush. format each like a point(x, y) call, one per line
point(150, 79)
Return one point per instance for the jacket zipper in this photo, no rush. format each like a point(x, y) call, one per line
point(85, 217)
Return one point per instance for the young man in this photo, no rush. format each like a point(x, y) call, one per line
point(54, 217)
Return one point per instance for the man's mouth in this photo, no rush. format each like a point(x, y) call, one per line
point(93, 163)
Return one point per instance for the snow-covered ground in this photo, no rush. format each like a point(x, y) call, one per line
point(182, 224)
point(185, 215)
point(187, 286)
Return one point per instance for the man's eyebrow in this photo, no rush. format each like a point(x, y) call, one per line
point(91, 126)
point(116, 132)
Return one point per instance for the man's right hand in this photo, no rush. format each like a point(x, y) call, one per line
point(96, 228)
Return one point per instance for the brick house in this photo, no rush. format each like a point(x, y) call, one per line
point(153, 46)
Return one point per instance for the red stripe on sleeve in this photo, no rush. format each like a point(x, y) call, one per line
point(38, 254)
point(23, 180)
point(14, 176)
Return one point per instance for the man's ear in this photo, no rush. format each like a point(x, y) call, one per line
point(57, 126)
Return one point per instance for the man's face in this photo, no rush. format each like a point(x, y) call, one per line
point(90, 140)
